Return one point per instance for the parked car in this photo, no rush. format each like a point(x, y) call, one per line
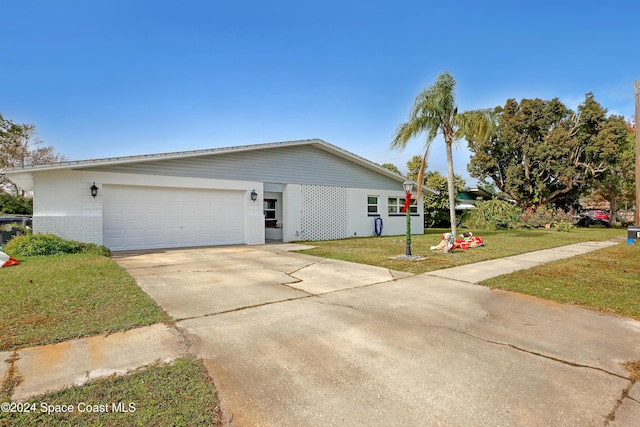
point(594, 217)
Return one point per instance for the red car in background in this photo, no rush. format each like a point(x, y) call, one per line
point(594, 217)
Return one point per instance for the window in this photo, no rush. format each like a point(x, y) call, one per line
point(269, 208)
point(397, 203)
point(372, 205)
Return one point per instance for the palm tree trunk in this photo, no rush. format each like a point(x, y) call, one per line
point(450, 186)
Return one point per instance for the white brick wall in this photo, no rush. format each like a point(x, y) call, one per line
point(86, 229)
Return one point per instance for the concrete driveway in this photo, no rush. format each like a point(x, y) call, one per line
point(295, 340)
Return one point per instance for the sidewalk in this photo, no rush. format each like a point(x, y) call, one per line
point(74, 362)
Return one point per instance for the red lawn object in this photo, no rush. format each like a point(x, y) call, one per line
point(7, 261)
point(469, 241)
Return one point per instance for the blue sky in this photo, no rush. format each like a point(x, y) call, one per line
point(107, 78)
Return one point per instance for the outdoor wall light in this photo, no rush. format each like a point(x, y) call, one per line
point(254, 195)
point(94, 190)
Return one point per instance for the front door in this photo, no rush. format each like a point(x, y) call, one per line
point(272, 210)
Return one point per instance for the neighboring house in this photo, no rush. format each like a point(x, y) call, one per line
point(286, 191)
point(466, 199)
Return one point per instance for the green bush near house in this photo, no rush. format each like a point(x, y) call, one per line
point(50, 244)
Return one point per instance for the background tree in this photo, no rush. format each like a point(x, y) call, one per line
point(541, 152)
point(391, 167)
point(435, 112)
point(436, 207)
point(15, 205)
point(19, 146)
point(413, 167)
point(616, 184)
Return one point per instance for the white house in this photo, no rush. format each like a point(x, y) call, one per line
point(285, 191)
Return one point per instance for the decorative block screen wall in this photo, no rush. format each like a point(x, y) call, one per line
point(324, 212)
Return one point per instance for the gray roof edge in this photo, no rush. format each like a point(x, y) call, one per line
point(340, 152)
point(70, 164)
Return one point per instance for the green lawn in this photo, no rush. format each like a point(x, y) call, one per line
point(177, 394)
point(498, 244)
point(54, 298)
point(607, 280)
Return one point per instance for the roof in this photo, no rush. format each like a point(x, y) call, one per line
point(472, 193)
point(24, 173)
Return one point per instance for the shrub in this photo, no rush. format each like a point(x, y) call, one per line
point(50, 244)
point(493, 213)
point(15, 205)
point(538, 218)
point(564, 226)
point(548, 215)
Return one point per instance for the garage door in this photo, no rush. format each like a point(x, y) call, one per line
point(158, 217)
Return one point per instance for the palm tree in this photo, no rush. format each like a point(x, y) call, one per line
point(433, 112)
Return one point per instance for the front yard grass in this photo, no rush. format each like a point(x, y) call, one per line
point(176, 394)
point(498, 244)
point(607, 280)
point(48, 299)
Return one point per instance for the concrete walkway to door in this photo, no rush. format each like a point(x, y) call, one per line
point(295, 340)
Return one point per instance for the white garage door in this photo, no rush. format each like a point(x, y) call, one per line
point(158, 217)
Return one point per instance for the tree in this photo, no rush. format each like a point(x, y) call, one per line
point(20, 147)
point(391, 167)
point(15, 205)
point(435, 112)
point(616, 184)
point(541, 152)
point(436, 206)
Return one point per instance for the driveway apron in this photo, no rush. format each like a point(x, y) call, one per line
point(295, 340)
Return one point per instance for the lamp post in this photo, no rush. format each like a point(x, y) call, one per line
point(408, 186)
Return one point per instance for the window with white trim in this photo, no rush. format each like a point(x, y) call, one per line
point(372, 205)
point(397, 203)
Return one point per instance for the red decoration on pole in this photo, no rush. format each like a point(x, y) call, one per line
point(407, 202)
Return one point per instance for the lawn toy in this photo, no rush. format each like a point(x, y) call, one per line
point(7, 261)
point(468, 241)
point(446, 245)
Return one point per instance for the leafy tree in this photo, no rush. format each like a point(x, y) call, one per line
point(19, 146)
point(541, 152)
point(15, 205)
point(617, 182)
point(413, 167)
point(434, 112)
point(436, 207)
point(391, 167)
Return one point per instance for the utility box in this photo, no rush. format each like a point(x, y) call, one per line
point(633, 233)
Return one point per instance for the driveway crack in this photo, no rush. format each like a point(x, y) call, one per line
point(246, 307)
point(337, 305)
point(536, 353)
point(611, 416)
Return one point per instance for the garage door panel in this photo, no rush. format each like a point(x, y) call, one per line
point(158, 217)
